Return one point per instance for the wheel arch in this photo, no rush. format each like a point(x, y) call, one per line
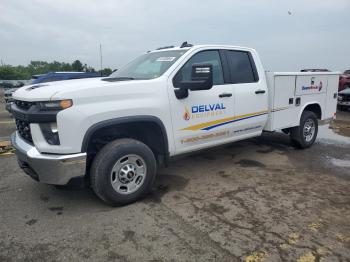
point(314, 107)
point(136, 127)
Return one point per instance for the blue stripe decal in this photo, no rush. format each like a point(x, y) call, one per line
point(232, 121)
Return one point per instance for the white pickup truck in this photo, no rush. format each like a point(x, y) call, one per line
point(115, 131)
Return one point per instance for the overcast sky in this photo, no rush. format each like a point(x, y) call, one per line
point(315, 34)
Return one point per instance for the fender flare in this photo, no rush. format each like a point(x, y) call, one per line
point(126, 120)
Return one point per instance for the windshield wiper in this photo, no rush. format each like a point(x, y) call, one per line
point(121, 78)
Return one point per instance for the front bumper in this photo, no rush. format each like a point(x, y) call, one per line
point(48, 168)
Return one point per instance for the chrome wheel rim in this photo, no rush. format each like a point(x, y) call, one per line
point(128, 174)
point(309, 130)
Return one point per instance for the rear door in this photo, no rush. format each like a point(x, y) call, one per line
point(250, 92)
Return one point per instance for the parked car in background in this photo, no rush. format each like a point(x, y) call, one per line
point(49, 77)
point(344, 80)
point(59, 76)
point(344, 99)
point(10, 87)
point(8, 84)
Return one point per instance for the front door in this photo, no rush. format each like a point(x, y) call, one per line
point(199, 119)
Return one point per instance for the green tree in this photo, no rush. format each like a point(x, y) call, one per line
point(105, 71)
point(13, 73)
point(77, 66)
point(8, 72)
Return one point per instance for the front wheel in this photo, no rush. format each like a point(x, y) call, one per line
point(304, 135)
point(123, 172)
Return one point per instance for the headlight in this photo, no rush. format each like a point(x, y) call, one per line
point(55, 105)
point(340, 98)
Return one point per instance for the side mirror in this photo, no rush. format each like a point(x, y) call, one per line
point(201, 79)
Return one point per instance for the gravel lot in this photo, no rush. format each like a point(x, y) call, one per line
point(255, 200)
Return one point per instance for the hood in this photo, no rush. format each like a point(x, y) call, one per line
point(345, 92)
point(45, 91)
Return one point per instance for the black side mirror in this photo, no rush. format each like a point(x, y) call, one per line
point(201, 79)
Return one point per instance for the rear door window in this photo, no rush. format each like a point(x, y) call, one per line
point(241, 66)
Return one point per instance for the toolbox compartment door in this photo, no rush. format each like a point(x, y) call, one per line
point(284, 111)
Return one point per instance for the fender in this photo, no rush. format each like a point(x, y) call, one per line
point(126, 120)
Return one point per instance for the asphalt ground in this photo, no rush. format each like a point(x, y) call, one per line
point(254, 200)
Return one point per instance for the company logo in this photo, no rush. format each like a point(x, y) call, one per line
point(200, 111)
point(187, 114)
point(312, 86)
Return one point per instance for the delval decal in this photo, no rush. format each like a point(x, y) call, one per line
point(223, 121)
point(313, 86)
point(207, 108)
point(199, 111)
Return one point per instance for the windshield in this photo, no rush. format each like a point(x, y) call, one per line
point(148, 66)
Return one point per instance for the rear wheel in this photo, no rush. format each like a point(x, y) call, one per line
point(304, 135)
point(123, 172)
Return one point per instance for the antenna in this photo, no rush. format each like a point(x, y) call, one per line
point(185, 44)
point(101, 58)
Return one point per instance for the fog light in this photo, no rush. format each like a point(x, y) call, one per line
point(50, 132)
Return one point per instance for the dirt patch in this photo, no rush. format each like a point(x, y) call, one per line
point(6, 148)
point(55, 208)
point(250, 163)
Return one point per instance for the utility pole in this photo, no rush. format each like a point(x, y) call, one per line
point(101, 58)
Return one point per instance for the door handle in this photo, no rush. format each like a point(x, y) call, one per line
point(225, 95)
point(260, 91)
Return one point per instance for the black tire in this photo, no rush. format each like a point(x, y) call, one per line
point(286, 131)
point(297, 133)
point(105, 160)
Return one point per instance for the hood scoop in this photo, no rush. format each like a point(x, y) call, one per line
point(35, 87)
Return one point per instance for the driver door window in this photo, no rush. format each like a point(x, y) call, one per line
point(205, 57)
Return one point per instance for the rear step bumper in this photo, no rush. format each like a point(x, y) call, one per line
point(48, 168)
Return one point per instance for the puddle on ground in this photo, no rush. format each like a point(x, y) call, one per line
point(334, 133)
point(340, 162)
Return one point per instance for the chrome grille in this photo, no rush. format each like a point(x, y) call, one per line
point(346, 97)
